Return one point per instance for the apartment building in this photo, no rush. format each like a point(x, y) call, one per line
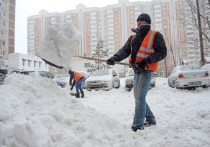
point(7, 29)
point(113, 25)
point(192, 32)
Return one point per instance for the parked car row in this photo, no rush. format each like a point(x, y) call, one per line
point(181, 77)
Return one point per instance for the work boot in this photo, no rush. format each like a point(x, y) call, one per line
point(77, 95)
point(136, 128)
point(150, 122)
point(82, 94)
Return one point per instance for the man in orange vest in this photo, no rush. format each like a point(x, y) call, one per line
point(147, 47)
point(78, 79)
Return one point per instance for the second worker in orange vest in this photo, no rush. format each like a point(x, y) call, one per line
point(78, 79)
point(146, 48)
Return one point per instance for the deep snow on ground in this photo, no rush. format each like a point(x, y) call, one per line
point(35, 112)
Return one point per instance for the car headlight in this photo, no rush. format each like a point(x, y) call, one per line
point(129, 82)
point(105, 83)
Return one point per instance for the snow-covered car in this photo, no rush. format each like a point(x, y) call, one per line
point(63, 79)
point(103, 79)
point(5, 72)
point(45, 74)
point(188, 76)
point(130, 77)
point(207, 67)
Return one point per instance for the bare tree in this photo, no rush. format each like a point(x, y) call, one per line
point(194, 18)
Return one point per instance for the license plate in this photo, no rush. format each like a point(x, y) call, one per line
point(95, 85)
point(195, 83)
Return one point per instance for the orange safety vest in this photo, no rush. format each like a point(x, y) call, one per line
point(146, 49)
point(77, 76)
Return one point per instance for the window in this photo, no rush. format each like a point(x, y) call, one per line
point(1, 53)
point(29, 63)
point(40, 64)
point(2, 3)
point(2, 13)
point(2, 22)
point(2, 33)
point(35, 63)
point(2, 43)
point(24, 60)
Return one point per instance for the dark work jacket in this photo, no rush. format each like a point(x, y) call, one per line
point(158, 46)
point(71, 78)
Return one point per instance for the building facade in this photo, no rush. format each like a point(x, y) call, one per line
point(7, 29)
point(113, 25)
point(26, 62)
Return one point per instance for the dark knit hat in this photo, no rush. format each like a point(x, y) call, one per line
point(144, 17)
point(70, 71)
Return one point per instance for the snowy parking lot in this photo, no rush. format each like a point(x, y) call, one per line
point(36, 112)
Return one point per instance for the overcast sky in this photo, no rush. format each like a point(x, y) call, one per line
point(26, 8)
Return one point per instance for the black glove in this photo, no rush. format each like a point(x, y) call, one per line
point(110, 61)
point(141, 65)
point(136, 70)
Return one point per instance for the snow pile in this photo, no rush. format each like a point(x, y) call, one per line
point(60, 45)
point(36, 112)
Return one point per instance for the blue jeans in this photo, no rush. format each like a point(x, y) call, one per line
point(79, 85)
point(142, 109)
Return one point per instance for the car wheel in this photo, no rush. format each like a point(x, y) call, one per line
point(169, 83)
point(173, 86)
point(205, 86)
point(129, 89)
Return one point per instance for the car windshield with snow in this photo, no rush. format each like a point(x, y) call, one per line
point(188, 76)
point(103, 79)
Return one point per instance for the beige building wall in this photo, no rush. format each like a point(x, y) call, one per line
point(113, 25)
point(7, 29)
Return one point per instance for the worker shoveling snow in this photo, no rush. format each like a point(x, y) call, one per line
point(60, 45)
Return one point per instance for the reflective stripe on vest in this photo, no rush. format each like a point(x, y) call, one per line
point(77, 76)
point(146, 50)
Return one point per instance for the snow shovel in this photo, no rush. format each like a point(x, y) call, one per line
point(72, 93)
point(101, 60)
